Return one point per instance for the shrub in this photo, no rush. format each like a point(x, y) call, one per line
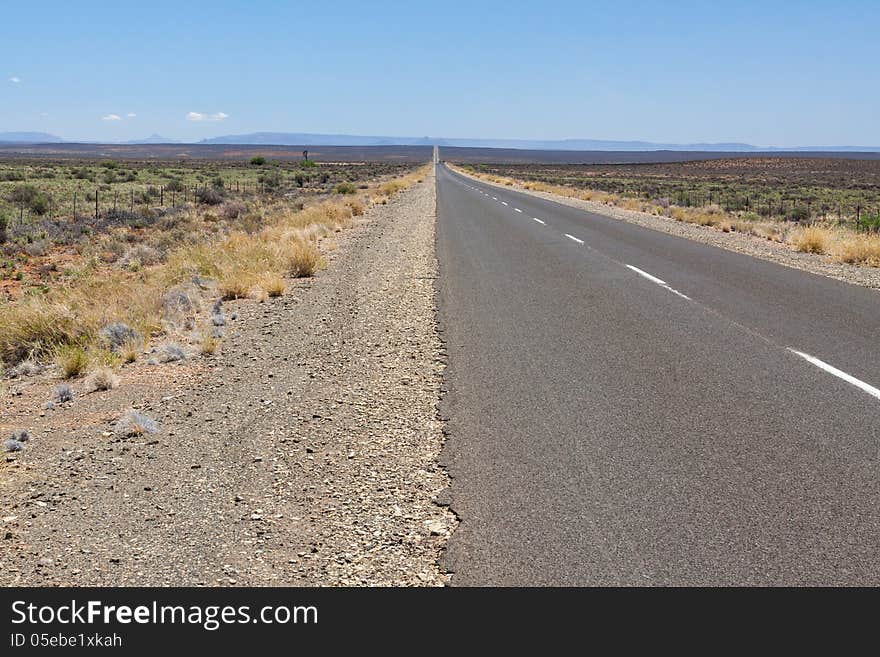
point(11, 445)
point(138, 256)
point(103, 378)
point(209, 196)
point(73, 361)
point(258, 161)
point(21, 435)
point(32, 198)
point(346, 188)
point(116, 334)
point(25, 368)
point(63, 393)
point(232, 210)
point(171, 353)
point(133, 424)
point(798, 214)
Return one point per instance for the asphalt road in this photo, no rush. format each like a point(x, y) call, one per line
point(629, 407)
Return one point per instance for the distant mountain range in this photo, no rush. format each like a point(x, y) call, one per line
point(310, 139)
point(29, 138)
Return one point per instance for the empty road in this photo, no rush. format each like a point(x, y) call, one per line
point(629, 407)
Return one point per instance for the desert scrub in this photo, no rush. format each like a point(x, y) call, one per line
point(62, 394)
point(102, 378)
point(282, 240)
point(134, 423)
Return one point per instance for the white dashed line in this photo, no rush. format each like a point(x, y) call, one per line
point(572, 237)
point(871, 390)
point(658, 281)
point(517, 209)
point(494, 198)
point(539, 221)
point(503, 202)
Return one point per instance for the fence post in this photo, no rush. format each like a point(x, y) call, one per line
point(858, 216)
point(131, 208)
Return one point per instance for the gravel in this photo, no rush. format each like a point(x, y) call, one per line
point(304, 453)
point(752, 245)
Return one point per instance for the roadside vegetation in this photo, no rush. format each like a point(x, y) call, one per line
point(827, 207)
point(88, 295)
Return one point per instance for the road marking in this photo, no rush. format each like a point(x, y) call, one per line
point(659, 282)
point(572, 237)
point(871, 390)
point(503, 202)
point(539, 221)
point(517, 209)
point(494, 198)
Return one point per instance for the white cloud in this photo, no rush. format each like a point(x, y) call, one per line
point(131, 115)
point(15, 79)
point(111, 117)
point(198, 116)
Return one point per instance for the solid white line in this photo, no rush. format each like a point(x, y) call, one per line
point(572, 237)
point(659, 282)
point(871, 390)
point(539, 221)
point(517, 209)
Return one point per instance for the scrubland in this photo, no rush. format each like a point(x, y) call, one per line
point(86, 295)
point(830, 208)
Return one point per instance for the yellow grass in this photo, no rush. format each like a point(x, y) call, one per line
point(858, 250)
point(209, 345)
point(811, 239)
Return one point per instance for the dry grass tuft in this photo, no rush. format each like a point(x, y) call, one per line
point(208, 345)
point(128, 352)
point(73, 361)
point(811, 239)
point(305, 260)
point(274, 284)
point(858, 250)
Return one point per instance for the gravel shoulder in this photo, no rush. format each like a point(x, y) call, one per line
point(752, 245)
point(304, 453)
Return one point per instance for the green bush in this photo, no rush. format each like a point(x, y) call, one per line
point(345, 188)
point(870, 223)
point(307, 164)
point(258, 161)
point(799, 214)
point(30, 197)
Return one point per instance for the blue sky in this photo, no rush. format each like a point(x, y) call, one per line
point(767, 73)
